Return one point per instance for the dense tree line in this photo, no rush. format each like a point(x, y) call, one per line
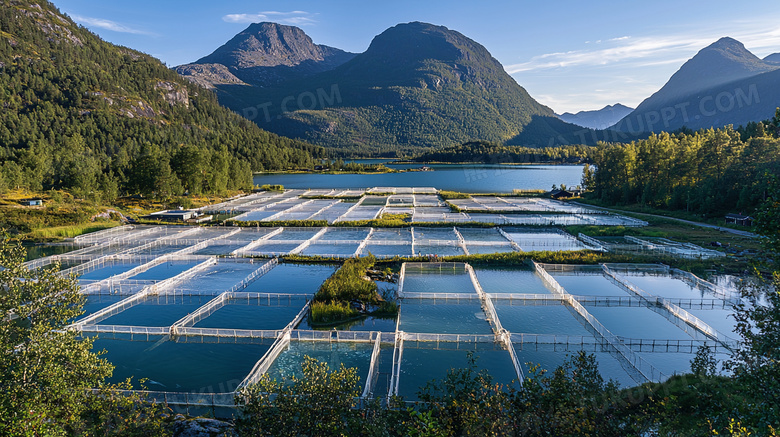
point(710, 172)
point(84, 115)
point(491, 153)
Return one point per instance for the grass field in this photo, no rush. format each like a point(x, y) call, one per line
point(63, 216)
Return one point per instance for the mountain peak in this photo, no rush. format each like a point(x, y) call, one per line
point(419, 54)
point(418, 41)
point(726, 41)
point(726, 60)
point(616, 106)
point(269, 25)
point(417, 85)
point(724, 64)
point(723, 61)
point(264, 54)
point(265, 45)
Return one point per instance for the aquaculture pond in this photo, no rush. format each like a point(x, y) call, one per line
point(199, 310)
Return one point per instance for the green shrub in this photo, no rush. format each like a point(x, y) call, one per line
point(331, 312)
point(269, 187)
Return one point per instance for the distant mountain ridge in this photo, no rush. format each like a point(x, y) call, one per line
point(264, 54)
point(693, 96)
point(597, 119)
point(774, 58)
point(418, 85)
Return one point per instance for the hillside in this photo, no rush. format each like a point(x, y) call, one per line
point(597, 119)
point(88, 116)
point(417, 86)
point(702, 79)
point(265, 54)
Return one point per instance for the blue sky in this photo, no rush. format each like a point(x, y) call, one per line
point(569, 55)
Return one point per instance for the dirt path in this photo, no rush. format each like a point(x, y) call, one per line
point(704, 225)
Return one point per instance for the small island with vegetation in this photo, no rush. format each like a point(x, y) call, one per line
point(350, 294)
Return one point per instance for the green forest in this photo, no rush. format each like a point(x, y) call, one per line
point(491, 153)
point(708, 172)
point(99, 120)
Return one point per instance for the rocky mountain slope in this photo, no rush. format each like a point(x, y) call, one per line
point(265, 54)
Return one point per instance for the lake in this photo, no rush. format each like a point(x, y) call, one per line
point(472, 178)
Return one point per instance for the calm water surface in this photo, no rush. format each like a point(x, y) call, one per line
point(473, 178)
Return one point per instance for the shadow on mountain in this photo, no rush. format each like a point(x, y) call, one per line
point(278, 74)
point(736, 103)
point(551, 131)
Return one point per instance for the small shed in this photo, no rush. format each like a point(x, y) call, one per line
point(33, 202)
point(739, 219)
point(561, 194)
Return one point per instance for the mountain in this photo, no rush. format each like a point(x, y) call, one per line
point(265, 54)
point(725, 60)
point(702, 79)
point(598, 119)
point(735, 103)
point(774, 58)
point(416, 86)
point(85, 115)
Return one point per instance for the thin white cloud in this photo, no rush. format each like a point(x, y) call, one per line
point(296, 18)
point(656, 50)
point(762, 42)
point(284, 13)
point(113, 26)
point(623, 49)
point(670, 61)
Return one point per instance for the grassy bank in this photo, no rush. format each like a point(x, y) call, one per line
point(446, 195)
point(523, 259)
point(70, 231)
point(674, 230)
point(717, 220)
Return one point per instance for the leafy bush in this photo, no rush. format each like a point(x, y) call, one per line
point(320, 403)
point(349, 283)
